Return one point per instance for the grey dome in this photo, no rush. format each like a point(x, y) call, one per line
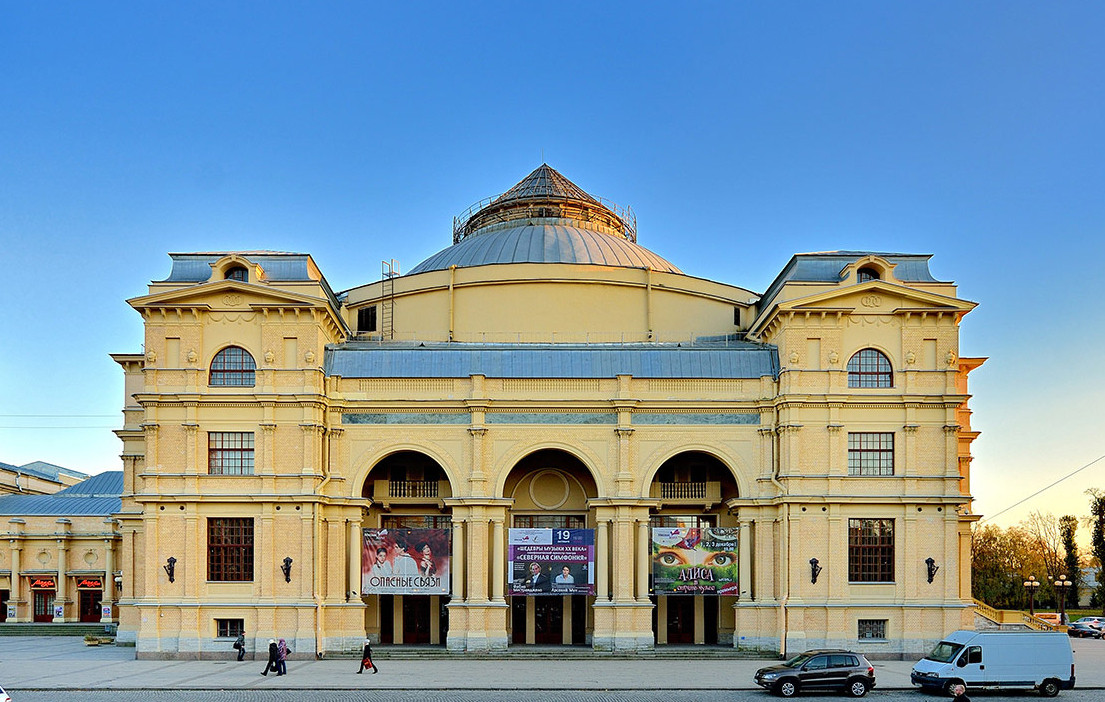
point(559, 241)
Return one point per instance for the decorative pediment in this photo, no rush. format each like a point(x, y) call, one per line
point(226, 294)
point(875, 297)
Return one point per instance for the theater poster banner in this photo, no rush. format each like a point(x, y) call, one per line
point(694, 561)
point(551, 561)
point(405, 562)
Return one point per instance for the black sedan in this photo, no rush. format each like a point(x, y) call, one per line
point(1084, 631)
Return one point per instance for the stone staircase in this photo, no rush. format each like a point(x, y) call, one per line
point(538, 652)
point(67, 629)
point(989, 618)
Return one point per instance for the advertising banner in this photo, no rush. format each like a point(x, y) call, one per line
point(694, 561)
point(405, 562)
point(551, 561)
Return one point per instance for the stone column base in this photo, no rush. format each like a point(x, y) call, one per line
point(477, 627)
point(623, 626)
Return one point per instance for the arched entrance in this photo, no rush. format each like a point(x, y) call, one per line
point(406, 551)
point(692, 488)
point(550, 594)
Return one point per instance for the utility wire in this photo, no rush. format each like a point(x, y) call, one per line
point(1068, 475)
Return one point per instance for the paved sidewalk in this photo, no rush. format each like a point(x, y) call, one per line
point(45, 663)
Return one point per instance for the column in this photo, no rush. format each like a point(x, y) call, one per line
point(477, 539)
point(457, 562)
point(745, 572)
point(356, 541)
point(498, 566)
point(602, 562)
point(16, 544)
point(62, 597)
point(109, 578)
point(643, 560)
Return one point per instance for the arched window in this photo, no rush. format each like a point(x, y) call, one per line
point(233, 366)
point(869, 368)
point(237, 273)
point(865, 274)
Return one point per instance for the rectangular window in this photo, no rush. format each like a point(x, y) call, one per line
point(550, 521)
point(871, 550)
point(230, 453)
point(417, 521)
point(230, 549)
point(871, 453)
point(872, 629)
point(230, 628)
point(366, 319)
point(682, 521)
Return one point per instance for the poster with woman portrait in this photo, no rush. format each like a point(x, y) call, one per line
point(405, 562)
point(689, 561)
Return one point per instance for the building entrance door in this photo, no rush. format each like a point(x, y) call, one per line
point(44, 605)
point(680, 619)
point(548, 620)
point(4, 596)
point(416, 619)
point(88, 604)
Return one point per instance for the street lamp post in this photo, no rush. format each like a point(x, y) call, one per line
point(1061, 585)
point(1032, 584)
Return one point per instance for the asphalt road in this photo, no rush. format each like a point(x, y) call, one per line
point(370, 695)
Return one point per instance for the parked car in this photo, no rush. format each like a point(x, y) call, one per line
point(1034, 659)
point(1084, 631)
point(833, 669)
point(1095, 622)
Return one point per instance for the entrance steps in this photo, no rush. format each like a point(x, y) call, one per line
point(60, 629)
point(538, 652)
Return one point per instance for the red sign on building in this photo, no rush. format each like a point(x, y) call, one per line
point(43, 584)
point(91, 583)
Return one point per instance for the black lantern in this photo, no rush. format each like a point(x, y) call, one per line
point(815, 570)
point(930, 563)
point(287, 569)
point(170, 569)
point(1032, 585)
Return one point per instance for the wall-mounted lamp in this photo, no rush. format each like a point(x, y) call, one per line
point(287, 569)
point(815, 570)
point(170, 569)
point(930, 562)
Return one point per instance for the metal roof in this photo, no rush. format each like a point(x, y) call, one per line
point(196, 267)
point(544, 243)
point(545, 182)
point(366, 360)
point(41, 469)
point(825, 267)
point(97, 496)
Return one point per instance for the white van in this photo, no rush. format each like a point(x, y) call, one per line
point(999, 659)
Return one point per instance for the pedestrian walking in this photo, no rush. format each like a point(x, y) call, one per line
point(240, 644)
point(273, 653)
point(366, 659)
point(282, 657)
point(959, 693)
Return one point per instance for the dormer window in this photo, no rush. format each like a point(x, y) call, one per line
point(233, 366)
point(865, 274)
point(237, 273)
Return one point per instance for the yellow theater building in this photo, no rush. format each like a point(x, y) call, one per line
point(545, 374)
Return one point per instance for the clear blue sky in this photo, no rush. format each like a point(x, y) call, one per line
point(741, 133)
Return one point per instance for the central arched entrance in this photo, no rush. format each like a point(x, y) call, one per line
point(550, 490)
point(406, 550)
point(691, 488)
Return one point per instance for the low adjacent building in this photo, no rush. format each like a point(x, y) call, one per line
point(61, 561)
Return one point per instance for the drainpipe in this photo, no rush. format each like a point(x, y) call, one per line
point(775, 467)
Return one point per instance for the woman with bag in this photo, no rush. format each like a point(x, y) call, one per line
point(271, 665)
point(240, 645)
point(366, 658)
point(282, 657)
